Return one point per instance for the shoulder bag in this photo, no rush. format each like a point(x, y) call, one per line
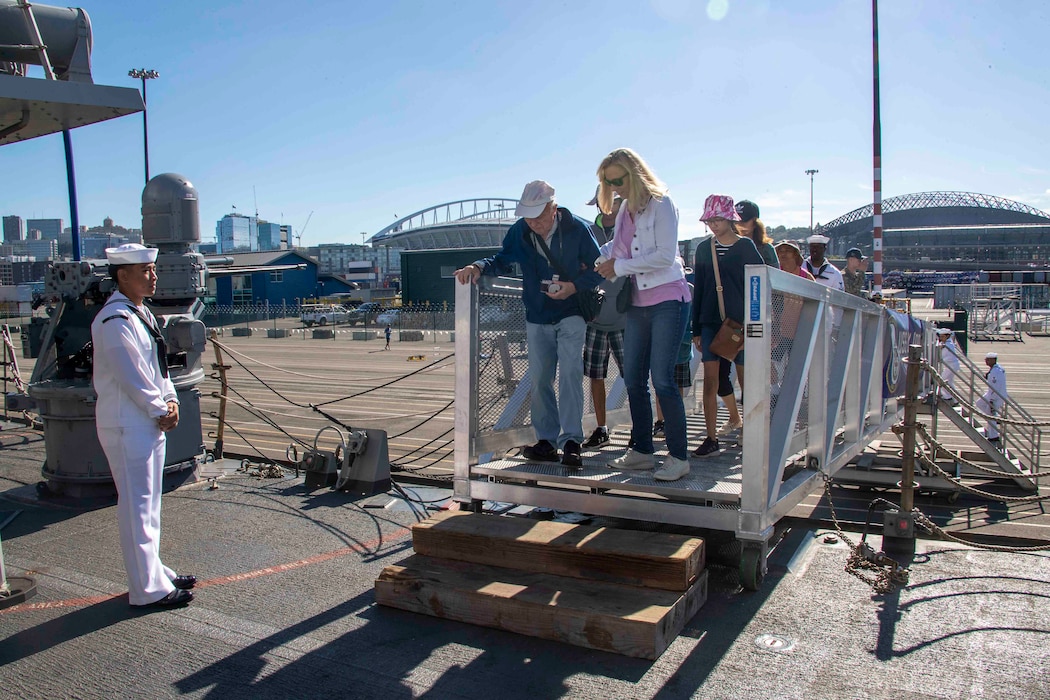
point(589, 300)
point(729, 340)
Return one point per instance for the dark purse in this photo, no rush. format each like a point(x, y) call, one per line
point(729, 340)
point(589, 300)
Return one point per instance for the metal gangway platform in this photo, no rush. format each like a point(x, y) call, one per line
point(823, 375)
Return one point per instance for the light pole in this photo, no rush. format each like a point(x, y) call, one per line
point(811, 173)
point(144, 75)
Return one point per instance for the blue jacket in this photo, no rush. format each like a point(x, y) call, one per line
point(572, 245)
point(731, 269)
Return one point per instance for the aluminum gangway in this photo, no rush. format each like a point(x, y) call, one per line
point(1020, 444)
point(823, 378)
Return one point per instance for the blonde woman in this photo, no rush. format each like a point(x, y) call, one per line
point(644, 249)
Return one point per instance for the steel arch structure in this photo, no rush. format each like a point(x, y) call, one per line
point(932, 200)
point(491, 210)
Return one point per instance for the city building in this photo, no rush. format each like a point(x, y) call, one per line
point(38, 250)
point(273, 236)
point(252, 279)
point(93, 245)
point(237, 233)
point(21, 270)
point(338, 258)
point(50, 229)
point(13, 230)
point(428, 275)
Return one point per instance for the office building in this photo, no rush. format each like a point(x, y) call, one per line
point(273, 236)
point(50, 229)
point(237, 233)
point(13, 230)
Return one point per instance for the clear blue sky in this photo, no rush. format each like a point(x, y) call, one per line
point(364, 111)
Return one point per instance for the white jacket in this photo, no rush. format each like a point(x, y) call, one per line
point(654, 251)
point(996, 394)
point(126, 373)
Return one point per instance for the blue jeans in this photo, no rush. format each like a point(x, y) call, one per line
point(650, 345)
point(557, 346)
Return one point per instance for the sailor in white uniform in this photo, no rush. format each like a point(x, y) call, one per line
point(817, 265)
point(824, 273)
point(949, 368)
point(994, 398)
point(136, 405)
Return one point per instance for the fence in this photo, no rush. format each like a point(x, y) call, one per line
point(422, 317)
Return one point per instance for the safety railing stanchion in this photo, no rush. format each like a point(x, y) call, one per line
point(911, 401)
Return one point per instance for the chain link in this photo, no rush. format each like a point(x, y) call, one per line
point(890, 575)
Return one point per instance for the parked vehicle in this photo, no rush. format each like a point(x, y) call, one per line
point(368, 312)
point(389, 317)
point(323, 314)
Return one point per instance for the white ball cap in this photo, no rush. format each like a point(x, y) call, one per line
point(534, 199)
point(131, 254)
point(944, 331)
point(991, 356)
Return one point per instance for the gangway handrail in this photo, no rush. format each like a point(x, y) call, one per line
point(812, 402)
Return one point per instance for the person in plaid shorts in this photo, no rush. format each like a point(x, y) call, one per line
point(598, 344)
point(604, 334)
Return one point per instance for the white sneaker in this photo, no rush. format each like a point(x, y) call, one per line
point(632, 460)
point(673, 469)
point(729, 426)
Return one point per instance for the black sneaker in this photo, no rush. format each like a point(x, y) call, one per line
point(570, 455)
point(599, 437)
point(709, 447)
point(542, 451)
point(658, 429)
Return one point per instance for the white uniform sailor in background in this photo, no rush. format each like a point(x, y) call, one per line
point(949, 353)
point(994, 399)
point(136, 405)
point(824, 273)
point(817, 265)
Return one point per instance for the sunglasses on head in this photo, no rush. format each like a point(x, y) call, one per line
point(616, 182)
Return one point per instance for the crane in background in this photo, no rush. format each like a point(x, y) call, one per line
point(299, 236)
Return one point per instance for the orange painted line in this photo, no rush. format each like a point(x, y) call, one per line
point(222, 580)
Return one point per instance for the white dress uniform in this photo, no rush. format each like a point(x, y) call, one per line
point(133, 390)
point(949, 365)
point(993, 400)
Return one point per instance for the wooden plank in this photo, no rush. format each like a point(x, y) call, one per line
point(631, 557)
point(622, 619)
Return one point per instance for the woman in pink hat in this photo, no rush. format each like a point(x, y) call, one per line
point(731, 252)
point(645, 250)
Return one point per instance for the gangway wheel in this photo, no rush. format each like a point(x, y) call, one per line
point(752, 565)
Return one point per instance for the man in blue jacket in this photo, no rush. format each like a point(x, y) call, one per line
point(556, 252)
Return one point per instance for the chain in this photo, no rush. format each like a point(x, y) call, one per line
point(890, 575)
point(269, 470)
point(938, 449)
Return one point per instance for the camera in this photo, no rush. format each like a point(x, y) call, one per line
point(550, 286)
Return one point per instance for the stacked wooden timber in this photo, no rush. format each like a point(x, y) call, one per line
point(623, 591)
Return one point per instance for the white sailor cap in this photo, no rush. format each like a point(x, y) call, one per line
point(991, 356)
point(817, 238)
point(944, 331)
point(131, 254)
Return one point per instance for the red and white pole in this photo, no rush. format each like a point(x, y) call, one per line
point(876, 236)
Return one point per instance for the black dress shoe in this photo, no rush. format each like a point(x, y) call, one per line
point(184, 582)
point(173, 600)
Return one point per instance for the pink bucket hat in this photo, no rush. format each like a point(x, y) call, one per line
point(719, 206)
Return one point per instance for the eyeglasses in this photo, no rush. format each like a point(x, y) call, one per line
point(616, 182)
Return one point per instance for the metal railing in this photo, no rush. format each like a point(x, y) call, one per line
point(1022, 442)
point(823, 373)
